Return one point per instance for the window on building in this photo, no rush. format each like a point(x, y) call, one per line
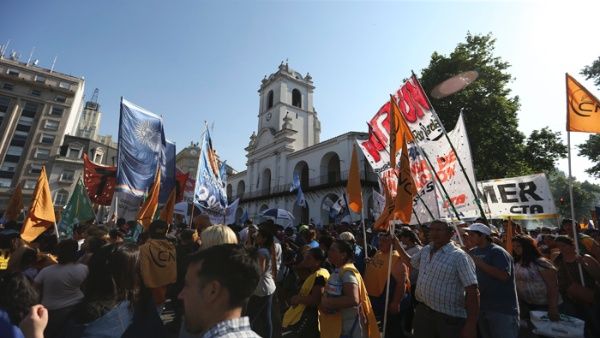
point(12, 72)
point(5, 182)
point(47, 139)
point(64, 85)
point(14, 150)
point(29, 184)
point(61, 197)
point(8, 166)
point(4, 103)
point(36, 92)
point(98, 155)
point(270, 99)
point(20, 136)
point(8, 86)
point(35, 169)
point(40, 79)
point(51, 125)
point(42, 154)
point(67, 175)
point(74, 152)
point(57, 111)
point(30, 109)
point(296, 98)
point(60, 99)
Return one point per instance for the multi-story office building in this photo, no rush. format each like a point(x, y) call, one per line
point(38, 107)
point(89, 121)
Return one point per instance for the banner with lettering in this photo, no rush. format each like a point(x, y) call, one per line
point(445, 163)
point(523, 197)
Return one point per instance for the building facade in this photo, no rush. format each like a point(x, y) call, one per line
point(66, 167)
point(38, 107)
point(287, 143)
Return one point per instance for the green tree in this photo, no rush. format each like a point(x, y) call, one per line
point(499, 149)
point(591, 147)
point(542, 149)
point(585, 194)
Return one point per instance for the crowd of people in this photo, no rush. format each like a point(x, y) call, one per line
point(263, 280)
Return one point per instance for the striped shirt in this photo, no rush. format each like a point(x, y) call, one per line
point(443, 278)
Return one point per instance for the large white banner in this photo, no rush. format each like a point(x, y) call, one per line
point(523, 197)
point(445, 163)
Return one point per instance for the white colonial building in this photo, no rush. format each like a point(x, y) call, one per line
point(287, 141)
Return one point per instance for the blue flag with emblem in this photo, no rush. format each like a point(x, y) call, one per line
point(209, 193)
point(300, 200)
point(141, 148)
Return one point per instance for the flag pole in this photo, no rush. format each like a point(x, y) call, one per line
point(573, 224)
point(389, 274)
point(462, 168)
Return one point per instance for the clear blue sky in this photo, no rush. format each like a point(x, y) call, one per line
point(192, 61)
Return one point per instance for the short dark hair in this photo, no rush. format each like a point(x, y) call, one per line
point(564, 239)
point(233, 267)
point(66, 251)
point(346, 248)
point(317, 254)
point(158, 229)
point(444, 223)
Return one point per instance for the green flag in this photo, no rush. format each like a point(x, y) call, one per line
point(79, 209)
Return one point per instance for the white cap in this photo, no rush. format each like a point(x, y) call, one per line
point(480, 227)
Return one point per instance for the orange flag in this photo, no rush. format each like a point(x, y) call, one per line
point(399, 131)
point(146, 214)
point(353, 187)
point(406, 191)
point(166, 214)
point(383, 221)
point(41, 213)
point(583, 108)
point(15, 205)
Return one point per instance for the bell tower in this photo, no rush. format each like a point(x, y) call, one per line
point(286, 102)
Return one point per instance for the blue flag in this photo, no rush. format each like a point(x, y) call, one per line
point(141, 147)
point(300, 200)
point(295, 183)
point(167, 171)
point(209, 193)
point(244, 217)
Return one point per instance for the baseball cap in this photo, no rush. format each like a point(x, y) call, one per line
point(479, 227)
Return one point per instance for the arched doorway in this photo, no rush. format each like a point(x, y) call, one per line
point(301, 169)
point(241, 189)
point(266, 181)
point(330, 168)
point(238, 215)
point(328, 212)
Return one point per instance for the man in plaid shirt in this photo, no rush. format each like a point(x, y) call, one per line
point(446, 287)
point(218, 282)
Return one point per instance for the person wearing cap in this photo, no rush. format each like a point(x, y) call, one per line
point(499, 307)
point(446, 287)
point(587, 245)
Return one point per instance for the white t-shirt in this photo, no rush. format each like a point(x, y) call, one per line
point(61, 284)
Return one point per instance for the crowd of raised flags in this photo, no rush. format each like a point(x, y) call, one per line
point(425, 174)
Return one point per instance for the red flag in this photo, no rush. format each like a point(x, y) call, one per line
point(181, 179)
point(99, 181)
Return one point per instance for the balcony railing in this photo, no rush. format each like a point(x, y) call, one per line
point(332, 179)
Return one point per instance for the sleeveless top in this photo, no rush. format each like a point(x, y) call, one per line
point(530, 284)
